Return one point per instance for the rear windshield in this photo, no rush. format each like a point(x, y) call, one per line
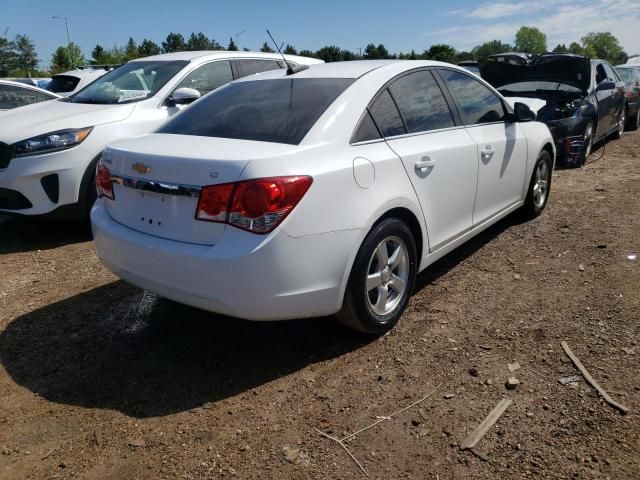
point(62, 84)
point(626, 74)
point(279, 111)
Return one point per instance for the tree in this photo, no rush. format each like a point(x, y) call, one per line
point(148, 48)
point(232, 45)
point(199, 41)
point(604, 45)
point(174, 43)
point(371, 52)
point(266, 48)
point(308, 53)
point(442, 53)
point(26, 58)
point(7, 56)
point(530, 40)
point(67, 58)
point(329, 54)
point(131, 51)
point(347, 55)
point(97, 55)
point(290, 50)
point(561, 48)
point(462, 56)
point(481, 52)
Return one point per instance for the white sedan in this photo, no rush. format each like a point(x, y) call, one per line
point(48, 151)
point(320, 192)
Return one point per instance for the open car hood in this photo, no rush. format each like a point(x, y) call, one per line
point(570, 70)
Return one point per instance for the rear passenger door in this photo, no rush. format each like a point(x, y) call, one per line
point(501, 145)
point(438, 155)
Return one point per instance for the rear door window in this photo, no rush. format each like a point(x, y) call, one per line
point(476, 103)
point(367, 129)
point(250, 66)
point(63, 83)
point(421, 102)
point(386, 115)
point(208, 77)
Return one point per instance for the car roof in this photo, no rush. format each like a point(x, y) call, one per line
point(214, 54)
point(26, 86)
point(349, 69)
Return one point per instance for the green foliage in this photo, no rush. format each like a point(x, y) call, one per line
point(329, 54)
point(266, 48)
point(530, 40)
point(174, 43)
point(371, 52)
point(7, 56)
point(442, 53)
point(67, 58)
point(131, 50)
point(347, 55)
point(290, 50)
point(26, 58)
point(605, 46)
point(148, 48)
point(561, 48)
point(462, 56)
point(308, 53)
point(232, 45)
point(481, 52)
point(199, 41)
point(113, 56)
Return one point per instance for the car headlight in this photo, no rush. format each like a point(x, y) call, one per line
point(51, 142)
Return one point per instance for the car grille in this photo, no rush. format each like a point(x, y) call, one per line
point(6, 152)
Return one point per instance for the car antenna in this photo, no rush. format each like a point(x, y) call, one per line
point(291, 69)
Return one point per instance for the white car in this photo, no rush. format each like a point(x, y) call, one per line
point(48, 151)
point(320, 192)
point(68, 83)
point(17, 94)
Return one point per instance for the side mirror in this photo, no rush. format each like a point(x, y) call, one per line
point(605, 85)
point(184, 96)
point(523, 113)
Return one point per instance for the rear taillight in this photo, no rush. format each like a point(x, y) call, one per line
point(257, 206)
point(104, 186)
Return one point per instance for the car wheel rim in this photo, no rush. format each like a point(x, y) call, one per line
point(541, 185)
point(621, 123)
point(387, 276)
point(588, 140)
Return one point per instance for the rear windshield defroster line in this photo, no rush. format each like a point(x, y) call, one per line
point(278, 110)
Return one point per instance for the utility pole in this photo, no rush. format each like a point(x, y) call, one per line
point(66, 24)
point(237, 35)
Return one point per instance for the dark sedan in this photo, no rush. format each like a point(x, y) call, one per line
point(581, 100)
point(631, 76)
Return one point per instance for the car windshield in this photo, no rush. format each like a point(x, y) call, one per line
point(626, 74)
point(131, 82)
point(280, 111)
point(538, 86)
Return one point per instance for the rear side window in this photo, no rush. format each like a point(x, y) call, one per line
point(13, 97)
point(208, 77)
point(277, 110)
point(611, 74)
point(250, 66)
point(476, 103)
point(421, 102)
point(367, 129)
point(63, 84)
point(386, 115)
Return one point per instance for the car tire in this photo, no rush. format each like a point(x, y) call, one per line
point(587, 138)
point(539, 186)
point(634, 121)
point(621, 121)
point(381, 280)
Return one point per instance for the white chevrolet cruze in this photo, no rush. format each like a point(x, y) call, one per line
point(48, 151)
point(319, 192)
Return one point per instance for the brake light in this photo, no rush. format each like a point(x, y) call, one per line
point(104, 186)
point(566, 146)
point(257, 206)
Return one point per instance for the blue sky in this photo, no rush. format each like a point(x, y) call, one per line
point(350, 24)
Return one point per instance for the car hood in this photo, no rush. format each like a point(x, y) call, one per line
point(40, 118)
point(575, 71)
point(535, 104)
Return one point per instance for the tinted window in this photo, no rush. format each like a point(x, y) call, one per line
point(249, 66)
point(367, 130)
point(476, 103)
point(421, 102)
point(280, 111)
point(208, 77)
point(600, 73)
point(13, 97)
point(62, 84)
point(386, 116)
point(626, 74)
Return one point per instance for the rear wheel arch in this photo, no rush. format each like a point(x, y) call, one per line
point(408, 217)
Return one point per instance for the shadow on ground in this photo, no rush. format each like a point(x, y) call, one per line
point(26, 234)
point(117, 347)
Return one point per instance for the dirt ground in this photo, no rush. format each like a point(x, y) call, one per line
point(101, 380)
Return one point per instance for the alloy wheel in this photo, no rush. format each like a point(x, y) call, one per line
point(541, 185)
point(387, 276)
point(621, 121)
point(588, 140)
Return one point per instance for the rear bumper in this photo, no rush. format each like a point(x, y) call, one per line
point(244, 275)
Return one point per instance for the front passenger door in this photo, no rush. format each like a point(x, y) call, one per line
point(501, 145)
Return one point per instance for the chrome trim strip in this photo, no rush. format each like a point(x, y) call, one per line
point(166, 188)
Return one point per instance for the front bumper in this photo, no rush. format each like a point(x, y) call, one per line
point(244, 275)
point(568, 136)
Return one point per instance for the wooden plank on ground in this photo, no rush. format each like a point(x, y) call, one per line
point(486, 424)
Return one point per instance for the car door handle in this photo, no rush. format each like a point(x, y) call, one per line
point(424, 164)
point(487, 153)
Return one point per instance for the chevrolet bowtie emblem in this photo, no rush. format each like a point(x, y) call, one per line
point(141, 168)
